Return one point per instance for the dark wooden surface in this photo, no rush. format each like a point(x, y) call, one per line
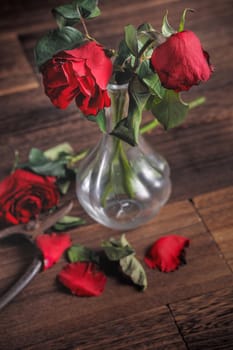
point(191, 308)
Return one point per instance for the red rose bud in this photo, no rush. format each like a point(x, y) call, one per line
point(24, 195)
point(166, 253)
point(82, 73)
point(83, 279)
point(181, 62)
point(52, 247)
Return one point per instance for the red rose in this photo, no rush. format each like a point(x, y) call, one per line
point(181, 62)
point(23, 195)
point(166, 253)
point(82, 73)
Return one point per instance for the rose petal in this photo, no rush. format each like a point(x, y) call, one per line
point(96, 60)
point(166, 253)
point(52, 247)
point(83, 279)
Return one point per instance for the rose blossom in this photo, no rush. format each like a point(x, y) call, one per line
point(166, 253)
point(23, 195)
point(82, 73)
point(181, 62)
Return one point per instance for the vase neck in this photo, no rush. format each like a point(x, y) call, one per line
point(119, 104)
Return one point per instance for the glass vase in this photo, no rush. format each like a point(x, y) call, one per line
point(118, 185)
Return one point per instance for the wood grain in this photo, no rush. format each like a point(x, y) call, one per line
point(190, 308)
point(206, 321)
point(216, 211)
point(43, 295)
point(16, 74)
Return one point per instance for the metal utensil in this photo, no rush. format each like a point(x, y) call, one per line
point(29, 232)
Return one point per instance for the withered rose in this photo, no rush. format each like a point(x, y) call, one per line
point(181, 62)
point(23, 195)
point(166, 253)
point(81, 74)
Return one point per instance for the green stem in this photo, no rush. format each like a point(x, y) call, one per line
point(76, 158)
point(141, 52)
point(16, 161)
point(154, 123)
point(197, 102)
point(149, 126)
point(83, 23)
point(145, 47)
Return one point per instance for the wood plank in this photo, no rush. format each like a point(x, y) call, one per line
point(43, 296)
point(16, 74)
point(198, 297)
point(152, 329)
point(206, 321)
point(216, 210)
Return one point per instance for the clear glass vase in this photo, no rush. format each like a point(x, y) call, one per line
point(118, 185)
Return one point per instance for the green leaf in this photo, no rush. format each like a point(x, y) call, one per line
point(120, 250)
point(128, 129)
point(36, 157)
point(171, 111)
point(123, 53)
point(146, 30)
point(66, 15)
point(133, 269)
point(68, 222)
point(88, 9)
point(55, 152)
point(151, 79)
point(131, 39)
point(167, 29)
point(42, 165)
point(79, 252)
point(122, 63)
point(94, 13)
point(123, 132)
point(63, 186)
point(182, 20)
point(100, 119)
point(117, 249)
point(57, 40)
point(149, 37)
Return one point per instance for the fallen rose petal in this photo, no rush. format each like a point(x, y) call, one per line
point(166, 253)
point(52, 247)
point(83, 279)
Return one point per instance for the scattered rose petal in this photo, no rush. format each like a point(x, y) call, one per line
point(52, 247)
point(83, 279)
point(166, 253)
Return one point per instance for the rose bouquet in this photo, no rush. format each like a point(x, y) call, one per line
point(118, 185)
point(156, 65)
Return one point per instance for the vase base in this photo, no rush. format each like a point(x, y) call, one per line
point(123, 210)
point(121, 215)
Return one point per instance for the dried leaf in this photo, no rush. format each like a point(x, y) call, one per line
point(79, 252)
point(132, 268)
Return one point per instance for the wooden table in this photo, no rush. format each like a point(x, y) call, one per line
point(190, 308)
